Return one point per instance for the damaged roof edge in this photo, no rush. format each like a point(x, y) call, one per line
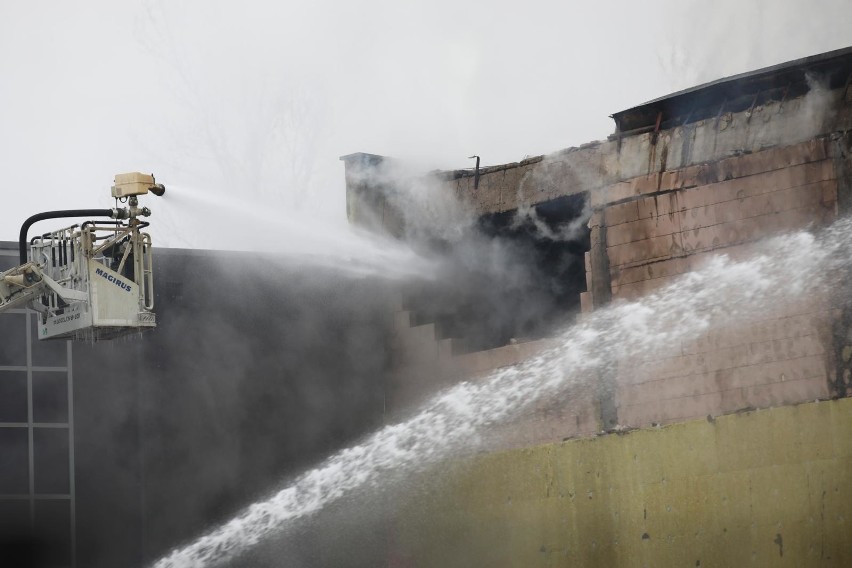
point(694, 102)
point(470, 172)
point(363, 159)
point(729, 94)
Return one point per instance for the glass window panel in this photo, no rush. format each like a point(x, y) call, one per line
point(53, 530)
point(50, 463)
point(47, 352)
point(14, 462)
point(14, 516)
point(13, 348)
point(17, 545)
point(13, 396)
point(50, 397)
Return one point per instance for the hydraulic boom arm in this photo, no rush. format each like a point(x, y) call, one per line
point(27, 282)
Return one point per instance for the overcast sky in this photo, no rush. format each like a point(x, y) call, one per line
point(257, 100)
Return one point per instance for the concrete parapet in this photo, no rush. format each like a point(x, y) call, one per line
point(762, 488)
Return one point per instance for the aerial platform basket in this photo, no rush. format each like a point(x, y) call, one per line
point(89, 281)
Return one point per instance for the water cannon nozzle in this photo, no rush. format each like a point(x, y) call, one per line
point(135, 184)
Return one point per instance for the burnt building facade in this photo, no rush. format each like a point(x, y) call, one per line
point(726, 449)
point(708, 170)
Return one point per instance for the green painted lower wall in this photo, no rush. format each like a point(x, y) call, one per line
point(764, 488)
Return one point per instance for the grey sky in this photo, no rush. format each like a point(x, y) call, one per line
point(260, 98)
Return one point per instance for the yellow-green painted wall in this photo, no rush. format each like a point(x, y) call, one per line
point(737, 491)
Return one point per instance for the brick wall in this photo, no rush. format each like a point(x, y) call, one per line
point(425, 363)
point(665, 224)
point(657, 227)
point(664, 202)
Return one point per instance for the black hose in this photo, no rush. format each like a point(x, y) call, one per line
point(22, 240)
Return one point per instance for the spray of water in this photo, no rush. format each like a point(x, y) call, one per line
point(194, 217)
point(722, 293)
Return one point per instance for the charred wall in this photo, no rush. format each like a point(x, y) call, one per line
point(710, 170)
point(535, 286)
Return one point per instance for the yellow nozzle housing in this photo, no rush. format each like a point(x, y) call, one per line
point(134, 184)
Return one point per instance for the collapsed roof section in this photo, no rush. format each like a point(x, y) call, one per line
point(737, 93)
